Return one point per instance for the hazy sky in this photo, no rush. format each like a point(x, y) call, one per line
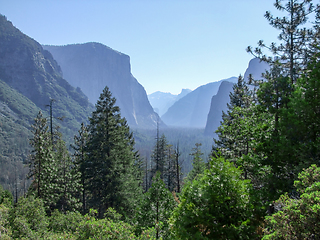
point(172, 44)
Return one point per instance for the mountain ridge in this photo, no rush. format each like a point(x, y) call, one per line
point(161, 101)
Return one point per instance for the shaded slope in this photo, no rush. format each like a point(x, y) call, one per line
point(33, 72)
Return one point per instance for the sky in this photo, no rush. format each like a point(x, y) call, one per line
point(172, 44)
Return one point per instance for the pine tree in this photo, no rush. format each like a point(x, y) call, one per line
point(239, 132)
point(231, 142)
point(159, 155)
point(67, 178)
point(155, 208)
point(80, 158)
point(177, 163)
point(111, 163)
point(198, 165)
point(296, 42)
point(41, 162)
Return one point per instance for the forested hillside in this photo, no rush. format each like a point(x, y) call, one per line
point(30, 81)
point(261, 180)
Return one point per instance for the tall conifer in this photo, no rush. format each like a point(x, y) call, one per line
point(111, 163)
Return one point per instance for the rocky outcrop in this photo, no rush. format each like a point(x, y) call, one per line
point(92, 66)
point(192, 110)
point(218, 104)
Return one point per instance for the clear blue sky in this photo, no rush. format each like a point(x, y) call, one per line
point(172, 44)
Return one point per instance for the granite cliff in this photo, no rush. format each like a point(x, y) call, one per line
point(92, 66)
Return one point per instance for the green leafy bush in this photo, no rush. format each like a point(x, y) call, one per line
point(28, 219)
point(216, 205)
point(298, 218)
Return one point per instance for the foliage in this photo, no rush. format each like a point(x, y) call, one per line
point(28, 219)
point(215, 206)
point(155, 209)
point(64, 222)
point(298, 218)
point(6, 202)
point(296, 42)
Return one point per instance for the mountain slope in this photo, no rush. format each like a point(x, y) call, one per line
point(192, 110)
point(92, 66)
point(161, 101)
point(29, 79)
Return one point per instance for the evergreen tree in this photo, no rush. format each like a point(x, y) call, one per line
point(159, 155)
point(155, 208)
point(237, 133)
point(228, 132)
point(197, 163)
point(177, 163)
point(296, 41)
point(298, 142)
point(80, 158)
point(111, 163)
point(67, 179)
point(41, 163)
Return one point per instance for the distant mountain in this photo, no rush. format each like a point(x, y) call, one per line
point(92, 66)
point(256, 68)
point(218, 104)
point(192, 110)
point(161, 101)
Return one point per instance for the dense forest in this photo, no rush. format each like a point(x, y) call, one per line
point(260, 181)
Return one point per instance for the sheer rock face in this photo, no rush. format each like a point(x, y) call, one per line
point(192, 110)
point(218, 104)
point(92, 66)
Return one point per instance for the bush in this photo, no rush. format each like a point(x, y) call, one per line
point(298, 218)
point(216, 205)
point(28, 219)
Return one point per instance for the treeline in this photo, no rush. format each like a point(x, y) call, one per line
point(261, 181)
